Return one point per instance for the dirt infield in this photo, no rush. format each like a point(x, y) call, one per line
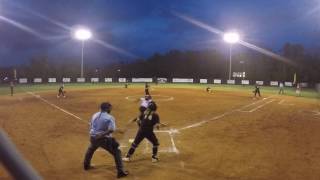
point(224, 135)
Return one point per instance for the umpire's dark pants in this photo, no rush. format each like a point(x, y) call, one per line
point(110, 145)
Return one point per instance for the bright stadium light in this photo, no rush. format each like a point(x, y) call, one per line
point(82, 34)
point(231, 38)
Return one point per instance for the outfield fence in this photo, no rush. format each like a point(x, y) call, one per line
point(39, 80)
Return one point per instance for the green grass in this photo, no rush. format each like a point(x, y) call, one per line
point(306, 92)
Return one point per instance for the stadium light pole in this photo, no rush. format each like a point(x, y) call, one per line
point(83, 35)
point(231, 38)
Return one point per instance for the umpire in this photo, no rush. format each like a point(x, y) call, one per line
point(147, 122)
point(102, 127)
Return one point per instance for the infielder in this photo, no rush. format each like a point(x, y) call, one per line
point(11, 87)
point(146, 89)
point(209, 90)
point(61, 92)
point(257, 91)
point(298, 90)
point(281, 88)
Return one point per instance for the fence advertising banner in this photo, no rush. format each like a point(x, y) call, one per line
point(217, 81)
point(66, 80)
point(180, 80)
point(122, 80)
point(52, 80)
point(37, 80)
point(203, 81)
point(140, 80)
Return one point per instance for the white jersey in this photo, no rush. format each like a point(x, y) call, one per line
point(281, 85)
point(145, 103)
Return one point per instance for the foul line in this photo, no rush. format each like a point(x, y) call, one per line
point(316, 113)
point(222, 115)
point(53, 105)
point(240, 109)
point(282, 103)
point(254, 109)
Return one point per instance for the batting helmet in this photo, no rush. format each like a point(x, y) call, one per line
point(152, 106)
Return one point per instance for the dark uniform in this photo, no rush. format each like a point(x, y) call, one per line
point(147, 122)
point(11, 87)
point(209, 90)
point(61, 92)
point(146, 89)
point(257, 91)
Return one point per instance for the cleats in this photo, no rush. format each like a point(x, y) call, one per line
point(126, 159)
point(122, 174)
point(87, 167)
point(154, 159)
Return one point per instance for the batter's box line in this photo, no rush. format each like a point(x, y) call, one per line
point(172, 149)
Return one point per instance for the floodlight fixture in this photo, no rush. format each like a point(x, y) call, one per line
point(82, 34)
point(231, 37)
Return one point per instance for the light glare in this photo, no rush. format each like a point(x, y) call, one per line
point(82, 34)
point(231, 37)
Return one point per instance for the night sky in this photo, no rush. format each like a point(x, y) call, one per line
point(143, 27)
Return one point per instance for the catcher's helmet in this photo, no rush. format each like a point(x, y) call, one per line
point(105, 106)
point(152, 106)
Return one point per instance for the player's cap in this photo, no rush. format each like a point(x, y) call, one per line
point(105, 106)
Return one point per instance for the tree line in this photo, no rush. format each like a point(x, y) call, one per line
point(185, 64)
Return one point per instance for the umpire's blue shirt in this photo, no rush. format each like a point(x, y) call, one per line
point(102, 122)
